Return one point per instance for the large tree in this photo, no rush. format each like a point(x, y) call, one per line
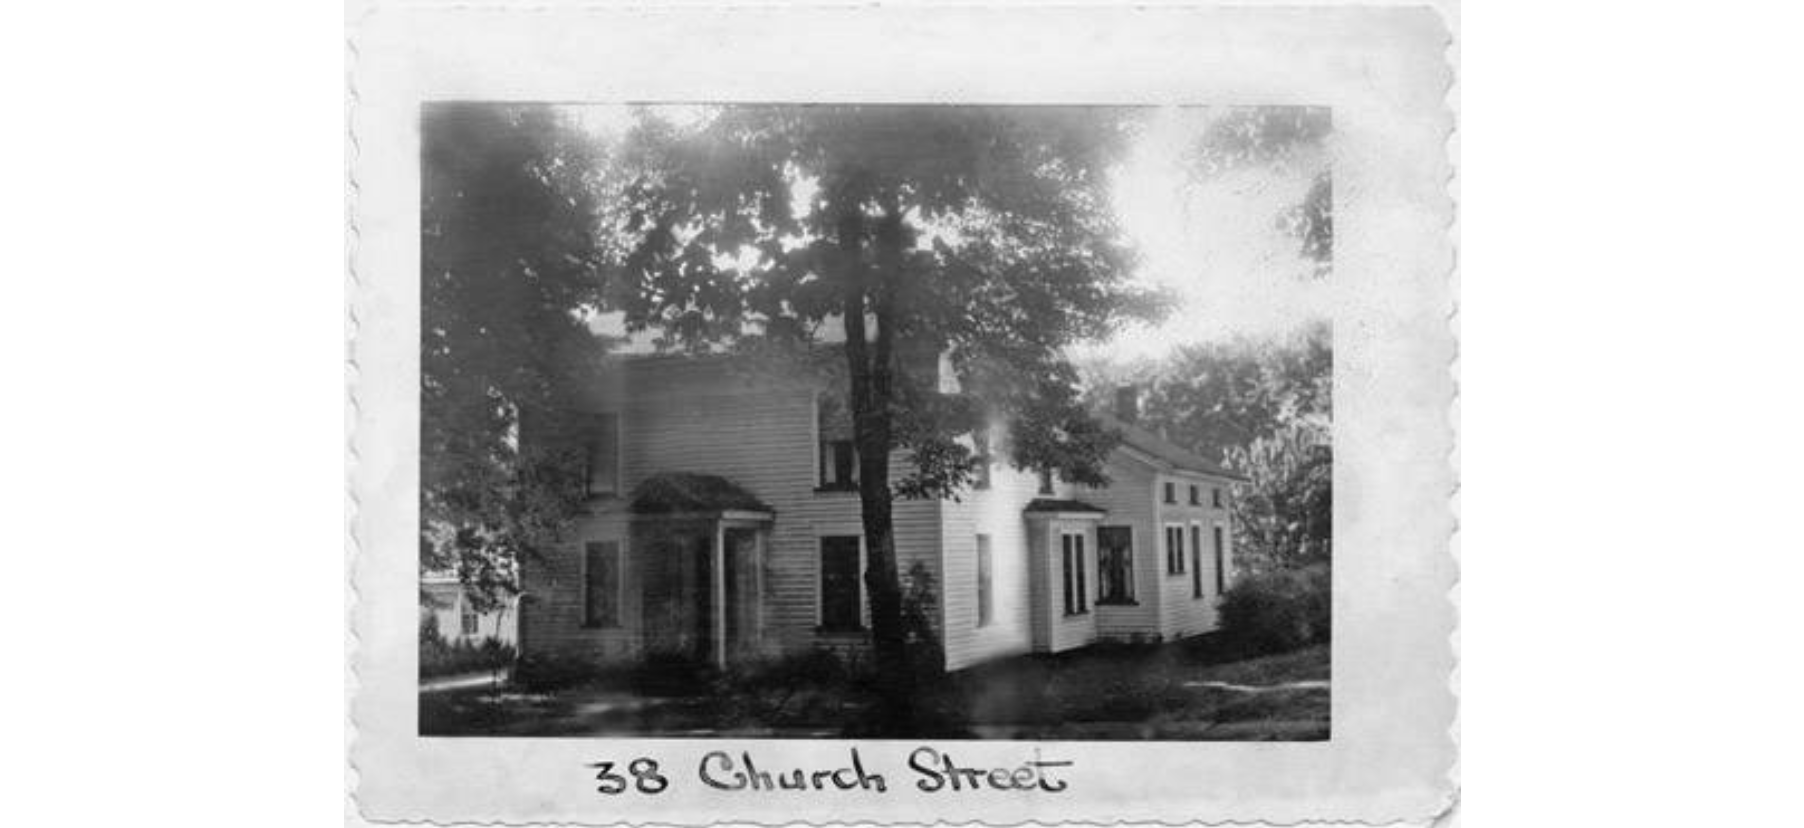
point(507, 256)
point(893, 232)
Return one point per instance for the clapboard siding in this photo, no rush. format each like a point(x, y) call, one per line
point(1181, 611)
point(996, 512)
point(754, 426)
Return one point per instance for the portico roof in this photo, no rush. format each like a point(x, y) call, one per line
point(672, 493)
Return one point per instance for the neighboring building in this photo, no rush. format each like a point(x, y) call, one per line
point(724, 522)
point(458, 619)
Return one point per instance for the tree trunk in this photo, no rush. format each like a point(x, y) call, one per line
point(869, 367)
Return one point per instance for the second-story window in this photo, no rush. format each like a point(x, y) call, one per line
point(1215, 497)
point(1196, 496)
point(980, 447)
point(838, 454)
point(1171, 492)
point(601, 452)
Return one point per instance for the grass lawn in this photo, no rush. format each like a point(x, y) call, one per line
point(1186, 690)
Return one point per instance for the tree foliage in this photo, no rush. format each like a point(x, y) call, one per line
point(508, 254)
point(1266, 409)
point(895, 233)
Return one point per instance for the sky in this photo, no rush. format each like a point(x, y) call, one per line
point(1210, 238)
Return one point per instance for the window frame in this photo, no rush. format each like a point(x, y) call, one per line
point(1171, 492)
point(1215, 498)
point(1131, 598)
point(1196, 495)
point(469, 621)
point(861, 624)
point(1222, 540)
point(596, 421)
point(1196, 559)
point(986, 580)
point(980, 447)
point(1076, 586)
point(1174, 552)
point(618, 599)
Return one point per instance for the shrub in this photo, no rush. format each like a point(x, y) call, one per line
point(1279, 610)
point(441, 657)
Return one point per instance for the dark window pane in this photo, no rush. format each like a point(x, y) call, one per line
point(1070, 599)
point(840, 586)
point(984, 581)
point(601, 584)
point(1115, 554)
point(602, 455)
point(1171, 492)
point(1215, 497)
point(1195, 496)
point(1196, 561)
point(1083, 587)
point(1221, 576)
point(1046, 481)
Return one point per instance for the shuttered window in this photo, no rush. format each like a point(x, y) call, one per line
point(1174, 549)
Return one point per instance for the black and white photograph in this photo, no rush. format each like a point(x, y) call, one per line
point(890, 421)
point(794, 415)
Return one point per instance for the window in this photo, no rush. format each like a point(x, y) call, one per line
point(1174, 549)
point(1196, 561)
point(1077, 600)
point(1215, 497)
point(601, 584)
point(1046, 481)
point(1221, 547)
point(985, 599)
point(838, 454)
point(980, 446)
point(601, 453)
point(467, 619)
point(1115, 557)
point(1171, 492)
point(839, 465)
point(841, 592)
point(1196, 497)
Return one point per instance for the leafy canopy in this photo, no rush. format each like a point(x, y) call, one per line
point(982, 233)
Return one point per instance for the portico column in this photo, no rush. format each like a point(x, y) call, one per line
point(720, 594)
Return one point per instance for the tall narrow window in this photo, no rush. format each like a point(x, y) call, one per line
point(1115, 557)
point(1171, 492)
point(601, 584)
point(980, 447)
point(1195, 496)
point(1083, 575)
point(985, 582)
point(838, 455)
point(601, 452)
point(1174, 549)
point(1221, 559)
point(1215, 497)
point(1196, 560)
point(841, 592)
point(1077, 601)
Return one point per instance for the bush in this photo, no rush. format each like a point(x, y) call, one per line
point(440, 657)
point(1278, 611)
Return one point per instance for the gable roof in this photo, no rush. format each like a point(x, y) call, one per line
point(678, 492)
point(1164, 450)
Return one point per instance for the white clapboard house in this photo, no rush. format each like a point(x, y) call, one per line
point(723, 522)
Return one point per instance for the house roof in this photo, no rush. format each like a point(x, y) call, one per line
point(1047, 504)
point(678, 492)
point(1164, 450)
